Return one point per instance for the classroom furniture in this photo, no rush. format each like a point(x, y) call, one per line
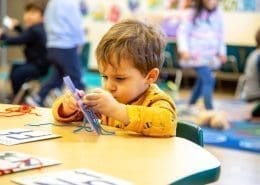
point(190, 131)
point(240, 86)
point(140, 160)
point(30, 87)
point(33, 84)
point(84, 56)
point(18, 98)
point(231, 71)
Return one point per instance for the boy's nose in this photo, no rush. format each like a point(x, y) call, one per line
point(110, 86)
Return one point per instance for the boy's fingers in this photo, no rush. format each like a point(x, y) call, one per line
point(80, 93)
point(91, 96)
point(90, 103)
point(97, 90)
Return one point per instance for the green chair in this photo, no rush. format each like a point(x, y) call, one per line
point(30, 86)
point(84, 56)
point(190, 131)
point(200, 178)
point(194, 133)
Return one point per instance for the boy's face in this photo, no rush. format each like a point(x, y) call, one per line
point(124, 82)
point(32, 17)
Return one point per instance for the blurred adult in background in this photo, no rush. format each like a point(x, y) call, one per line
point(33, 38)
point(200, 41)
point(65, 34)
point(251, 89)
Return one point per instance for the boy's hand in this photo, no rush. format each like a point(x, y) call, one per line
point(14, 23)
point(70, 104)
point(103, 102)
point(10, 23)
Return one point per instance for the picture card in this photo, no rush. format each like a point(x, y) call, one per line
point(73, 177)
point(11, 162)
point(24, 135)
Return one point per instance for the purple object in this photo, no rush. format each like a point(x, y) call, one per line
point(170, 26)
point(89, 115)
point(83, 8)
point(133, 5)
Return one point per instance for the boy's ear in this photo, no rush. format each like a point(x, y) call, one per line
point(152, 76)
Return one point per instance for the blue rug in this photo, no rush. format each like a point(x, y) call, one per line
point(242, 135)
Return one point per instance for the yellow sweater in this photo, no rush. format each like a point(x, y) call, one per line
point(153, 114)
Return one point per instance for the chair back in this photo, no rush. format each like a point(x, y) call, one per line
point(84, 56)
point(190, 131)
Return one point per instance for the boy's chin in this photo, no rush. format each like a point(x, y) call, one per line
point(119, 100)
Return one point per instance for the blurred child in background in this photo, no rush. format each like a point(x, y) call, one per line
point(33, 37)
point(65, 34)
point(200, 41)
point(129, 58)
point(251, 89)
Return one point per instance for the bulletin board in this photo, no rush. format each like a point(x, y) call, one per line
point(241, 5)
point(100, 15)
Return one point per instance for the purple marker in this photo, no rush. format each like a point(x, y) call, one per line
point(89, 115)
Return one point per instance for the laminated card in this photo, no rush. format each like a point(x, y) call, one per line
point(24, 135)
point(71, 177)
point(12, 161)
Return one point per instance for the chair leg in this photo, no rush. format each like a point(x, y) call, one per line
point(19, 96)
point(178, 78)
point(240, 86)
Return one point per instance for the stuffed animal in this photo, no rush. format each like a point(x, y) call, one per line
point(213, 118)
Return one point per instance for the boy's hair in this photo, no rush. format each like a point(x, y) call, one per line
point(133, 40)
point(39, 5)
point(257, 38)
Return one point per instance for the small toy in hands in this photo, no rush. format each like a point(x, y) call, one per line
point(7, 22)
point(89, 115)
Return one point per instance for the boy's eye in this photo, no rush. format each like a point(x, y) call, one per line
point(104, 77)
point(120, 78)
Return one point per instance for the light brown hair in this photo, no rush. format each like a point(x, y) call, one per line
point(134, 40)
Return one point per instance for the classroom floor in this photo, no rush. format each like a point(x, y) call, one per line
point(237, 167)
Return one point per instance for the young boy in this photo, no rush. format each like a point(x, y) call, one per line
point(34, 40)
point(129, 58)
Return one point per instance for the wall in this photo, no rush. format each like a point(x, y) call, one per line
point(15, 9)
point(240, 28)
